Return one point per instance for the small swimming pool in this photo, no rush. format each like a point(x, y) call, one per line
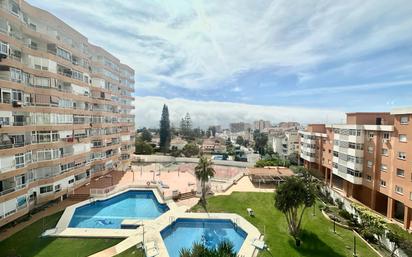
point(184, 232)
point(109, 213)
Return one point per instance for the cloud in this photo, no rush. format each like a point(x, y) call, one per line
point(206, 113)
point(198, 44)
point(346, 88)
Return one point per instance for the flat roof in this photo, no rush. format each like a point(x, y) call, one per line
point(271, 171)
point(402, 110)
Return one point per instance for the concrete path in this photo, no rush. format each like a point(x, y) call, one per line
point(245, 185)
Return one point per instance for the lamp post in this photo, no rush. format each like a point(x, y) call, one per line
point(334, 224)
point(354, 246)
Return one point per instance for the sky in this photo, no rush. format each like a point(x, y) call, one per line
point(234, 60)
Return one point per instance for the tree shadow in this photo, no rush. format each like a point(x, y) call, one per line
point(312, 245)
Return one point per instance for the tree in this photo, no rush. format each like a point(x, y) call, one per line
point(142, 147)
point(291, 196)
point(240, 140)
point(146, 136)
point(190, 149)
point(164, 132)
point(203, 172)
point(224, 249)
point(261, 140)
point(186, 126)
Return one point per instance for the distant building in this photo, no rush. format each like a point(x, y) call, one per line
point(239, 127)
point(211, 146)
point(284, 143)
point(289, 125)
point(261, 125)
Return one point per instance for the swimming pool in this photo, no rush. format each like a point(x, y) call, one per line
point(185, 231)
point(109, 213)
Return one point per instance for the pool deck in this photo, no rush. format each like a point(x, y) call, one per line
point(149, 230)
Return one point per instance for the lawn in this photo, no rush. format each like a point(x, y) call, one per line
point(318, 237)
point(28, 243)
point(132, 252)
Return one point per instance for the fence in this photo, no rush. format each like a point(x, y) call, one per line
point(107, 191)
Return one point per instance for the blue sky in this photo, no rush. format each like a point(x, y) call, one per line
point(320, 57)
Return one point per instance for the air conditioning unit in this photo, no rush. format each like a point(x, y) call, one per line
point(17, 104)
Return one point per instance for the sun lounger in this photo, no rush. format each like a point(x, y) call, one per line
point(250, 212)
point(259, 244)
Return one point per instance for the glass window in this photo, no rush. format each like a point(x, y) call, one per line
point(370, 149)
point(400, 173)
point(46, 189)
point(19, 160)
point(385, 151)
point(383, 183)
point(402, 155)
point(402, 138)
point(399, 190)
point(384, 167)
point(404, 120)
point(386, 135)
point(370, 164)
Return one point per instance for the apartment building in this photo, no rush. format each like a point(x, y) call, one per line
point(65, 109)
point(367, 159)
point(239, 127)
point(284, 143)
point(261, 124)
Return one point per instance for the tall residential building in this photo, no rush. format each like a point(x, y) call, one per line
point(261, 124)
point(65, 109)
point(239, 127)
point(367, 159)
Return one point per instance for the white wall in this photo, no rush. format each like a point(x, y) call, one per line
point(7, 163)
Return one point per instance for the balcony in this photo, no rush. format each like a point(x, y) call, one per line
point(4, 50)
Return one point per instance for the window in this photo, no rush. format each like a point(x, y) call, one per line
point(399, 190)
point(369, 164)
point(386, 135)
point(402, 138)
point(368, 178)
point(404, 120)
point(71, 181)
point(371, 134)
point(400, 173)
point(46, 189)
point(402, 155)
point(57, 188)
point(64, 54)
point(384, 167)
point(385, 151)
point(370, 149)
point(383, 183)
point(19, 160)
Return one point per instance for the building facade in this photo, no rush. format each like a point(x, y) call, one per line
point(284, 143)
point(239, 127)
point(65, 110)
point(367, 159)
point(261, 124)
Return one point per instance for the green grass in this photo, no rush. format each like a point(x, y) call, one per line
point(28, 243)
point(132, 252)
point(318, 239)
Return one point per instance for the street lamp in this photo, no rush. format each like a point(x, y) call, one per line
point(354, 246)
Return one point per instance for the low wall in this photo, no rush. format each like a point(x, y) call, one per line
point(168, 159)
point(347, 203)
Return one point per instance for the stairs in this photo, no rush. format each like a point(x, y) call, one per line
point(187, 195)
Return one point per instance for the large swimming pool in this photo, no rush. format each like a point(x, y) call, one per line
point(184, 232)
point(110, 213)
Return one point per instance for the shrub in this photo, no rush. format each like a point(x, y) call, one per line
point(345, 214)
point(339, 203)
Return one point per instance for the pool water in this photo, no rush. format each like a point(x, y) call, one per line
point(110, 213)
point(184, 232)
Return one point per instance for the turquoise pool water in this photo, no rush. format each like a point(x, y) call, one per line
point(184, 232)
point(111, 212)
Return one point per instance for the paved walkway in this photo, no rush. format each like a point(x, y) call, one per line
point(245, 185)
point(5, 233)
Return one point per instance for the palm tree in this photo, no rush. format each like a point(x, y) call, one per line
point(224, 249)
point(203, 172)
